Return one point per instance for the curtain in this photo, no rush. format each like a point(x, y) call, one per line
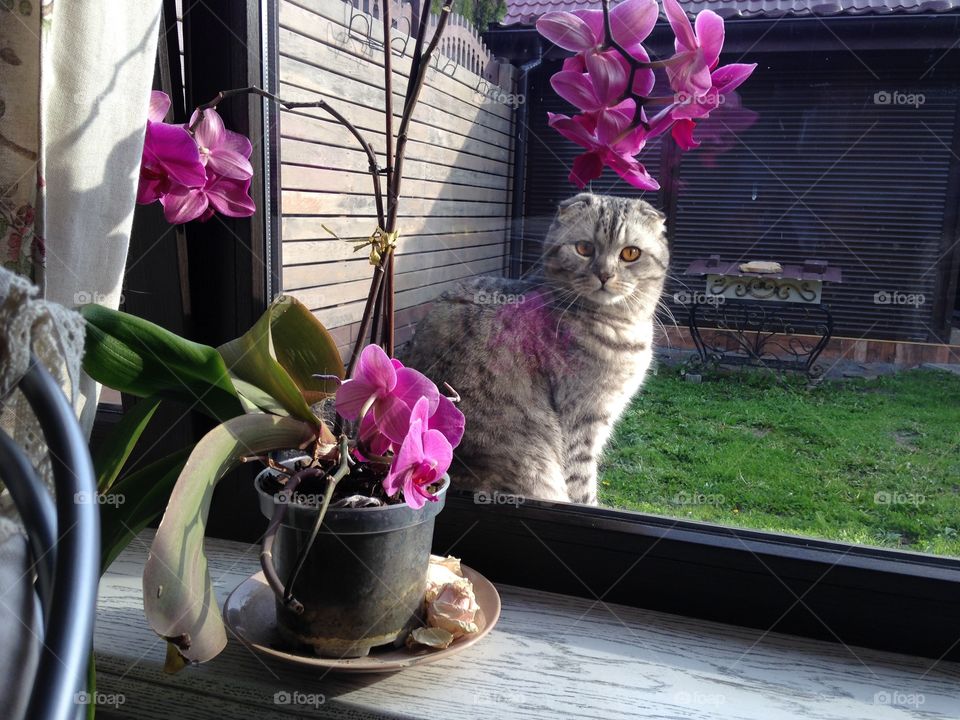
point(75, 80)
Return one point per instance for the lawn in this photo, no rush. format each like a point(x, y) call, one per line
point(863, 461)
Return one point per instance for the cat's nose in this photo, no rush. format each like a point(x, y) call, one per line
point(604, 276)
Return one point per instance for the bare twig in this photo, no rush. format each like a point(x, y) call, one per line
point(388, 101)
point(342, 471)
point(418, 73)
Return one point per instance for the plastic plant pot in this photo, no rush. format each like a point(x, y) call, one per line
point(362, 583)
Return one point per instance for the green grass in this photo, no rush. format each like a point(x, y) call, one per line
point(869, 461)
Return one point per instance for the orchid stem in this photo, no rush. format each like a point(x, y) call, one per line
point(332, 481)
point(379, 300)
point(373, 165)
point(635, 66)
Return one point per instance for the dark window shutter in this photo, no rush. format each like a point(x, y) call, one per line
point(824, 172)
point(836, 167)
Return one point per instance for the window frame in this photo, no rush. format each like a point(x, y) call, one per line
point(856, 595)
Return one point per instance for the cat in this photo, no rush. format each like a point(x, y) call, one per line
point(545, 367)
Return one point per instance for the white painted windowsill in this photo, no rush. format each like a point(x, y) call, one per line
point(551, 656)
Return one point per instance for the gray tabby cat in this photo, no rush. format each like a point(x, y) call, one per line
point(546, 367)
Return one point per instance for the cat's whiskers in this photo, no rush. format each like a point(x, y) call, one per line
point(576, 297)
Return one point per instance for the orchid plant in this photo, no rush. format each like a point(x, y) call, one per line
point(194, 169)
point(611, 80)
point(280, 386)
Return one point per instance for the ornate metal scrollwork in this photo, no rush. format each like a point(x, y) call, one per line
point(763, 288)
point(762, 334)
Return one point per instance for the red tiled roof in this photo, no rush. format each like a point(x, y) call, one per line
point(527, 11)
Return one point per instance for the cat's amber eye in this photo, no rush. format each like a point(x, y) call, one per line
point(629, 254)
point(584, 248)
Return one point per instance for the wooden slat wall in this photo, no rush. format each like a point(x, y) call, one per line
point(454, 208)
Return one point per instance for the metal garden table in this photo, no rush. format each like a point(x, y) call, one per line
point(773, 320)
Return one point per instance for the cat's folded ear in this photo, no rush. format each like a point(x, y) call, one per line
point(577, 202)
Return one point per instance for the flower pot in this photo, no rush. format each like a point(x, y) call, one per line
point(363, 581)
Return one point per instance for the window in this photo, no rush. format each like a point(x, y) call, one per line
point(828, 170)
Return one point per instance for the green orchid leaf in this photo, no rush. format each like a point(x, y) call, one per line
point(115, 449)
point(138, 357)
point(281, 353)
point(254, 399)
point(135, 501)
point(304, 347)
point(178, 596)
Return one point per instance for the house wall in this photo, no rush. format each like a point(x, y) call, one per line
point(454, 207)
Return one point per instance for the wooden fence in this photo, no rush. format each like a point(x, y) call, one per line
point(454, 209)
point(461, 41)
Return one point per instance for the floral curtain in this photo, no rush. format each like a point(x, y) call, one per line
point(75, 80)
point(21, 23)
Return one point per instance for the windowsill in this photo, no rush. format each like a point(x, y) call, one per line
point(550, 656)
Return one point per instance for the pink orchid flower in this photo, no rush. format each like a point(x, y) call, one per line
point(391, 391)
point(170, 156)
point(228, 196)
point(424, 456)
point(226, 189)
point(607, 72)
point(194, 180)
point(698, 48)
point(447, 419)
point(223, 151)
point(609, 141)
point(723, 80)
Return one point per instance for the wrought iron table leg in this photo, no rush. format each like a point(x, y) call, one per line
point(812, 370)
point(695, 332)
